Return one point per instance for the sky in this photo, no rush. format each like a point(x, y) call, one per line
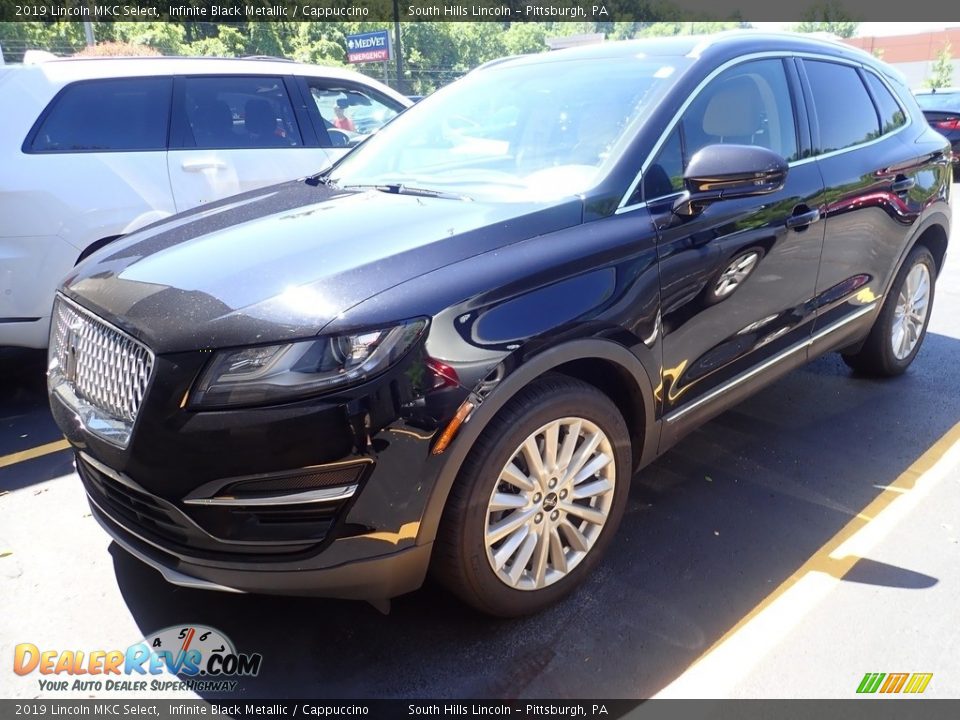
point(874, 28)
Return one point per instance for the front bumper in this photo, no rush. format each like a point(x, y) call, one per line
point(364, 538)
point(372, 579)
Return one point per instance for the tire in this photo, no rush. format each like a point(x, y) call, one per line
point(464, 563)
point(878, 356)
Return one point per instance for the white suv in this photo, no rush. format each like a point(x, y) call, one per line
point(91, 149)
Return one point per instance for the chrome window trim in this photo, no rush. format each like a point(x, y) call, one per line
point(756, 370)
point(622, 207)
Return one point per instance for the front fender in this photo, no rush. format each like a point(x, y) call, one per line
point(506, 388)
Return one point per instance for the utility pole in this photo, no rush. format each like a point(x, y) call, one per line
point(88, 31)
point(397, 48)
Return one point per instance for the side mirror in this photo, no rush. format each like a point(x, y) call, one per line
point(722, 172)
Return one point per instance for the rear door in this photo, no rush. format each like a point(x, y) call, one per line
point(875, 181)
point(98, 159)
point(233, 133)
point(736, 279)
point(92, 167)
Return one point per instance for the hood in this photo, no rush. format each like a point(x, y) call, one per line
point(282, 262)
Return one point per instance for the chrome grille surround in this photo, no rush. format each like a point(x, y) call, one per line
point(97, 370)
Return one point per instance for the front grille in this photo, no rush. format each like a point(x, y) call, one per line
point(103, 365)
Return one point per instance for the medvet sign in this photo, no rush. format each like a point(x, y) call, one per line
point(369, 47)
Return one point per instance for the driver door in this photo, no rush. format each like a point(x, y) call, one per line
point(737, 279)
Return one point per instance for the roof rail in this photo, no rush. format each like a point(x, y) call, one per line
point(267, 57)
point(497, 61)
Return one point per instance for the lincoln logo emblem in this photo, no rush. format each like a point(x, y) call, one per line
point(73, 340)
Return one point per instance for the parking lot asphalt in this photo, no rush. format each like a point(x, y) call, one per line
point(798, 541)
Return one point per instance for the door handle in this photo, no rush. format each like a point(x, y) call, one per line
point(802, 218)
point(903, 184)
point(198, 165)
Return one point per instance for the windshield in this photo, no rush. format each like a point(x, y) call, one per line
point(524, 132)
point(939, 101)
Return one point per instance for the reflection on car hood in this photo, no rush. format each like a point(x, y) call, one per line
point(281, 262)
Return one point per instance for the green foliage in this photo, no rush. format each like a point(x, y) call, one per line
point(166, 37)
point(434, 53)
point(523, 38)
point(941, 73)
point(840, 29)
point(18, 37)
point(828, 16)
point(318, 43)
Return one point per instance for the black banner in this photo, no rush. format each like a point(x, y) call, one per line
point(474, 10)
point(873, 709)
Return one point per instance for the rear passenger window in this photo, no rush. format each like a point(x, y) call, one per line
point(891, 114)
point(238, 112)
point(845, 112)
point(123, 114)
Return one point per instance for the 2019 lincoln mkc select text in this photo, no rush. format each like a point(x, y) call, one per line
point(454, 349)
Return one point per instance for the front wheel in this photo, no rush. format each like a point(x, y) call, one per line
point(537, 500)
point(901, 326)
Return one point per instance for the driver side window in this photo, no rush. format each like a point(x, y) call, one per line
point(748, 104)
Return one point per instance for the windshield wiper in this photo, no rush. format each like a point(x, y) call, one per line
point(401, 189)
point(321, 178)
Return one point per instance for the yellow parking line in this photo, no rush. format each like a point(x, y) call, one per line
point(23, 455)
point(837, 567)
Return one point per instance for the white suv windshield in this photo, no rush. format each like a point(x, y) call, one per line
point(525, 132)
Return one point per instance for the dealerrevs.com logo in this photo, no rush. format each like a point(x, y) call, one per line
point(203, 657)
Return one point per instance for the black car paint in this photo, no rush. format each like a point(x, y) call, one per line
point(512, 291)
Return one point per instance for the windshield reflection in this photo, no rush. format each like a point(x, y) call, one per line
point(516, 132)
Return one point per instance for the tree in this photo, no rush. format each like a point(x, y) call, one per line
point(941, 72)
point(111, 48)
point(840, 29)
point(828, 16)
point(164, 36)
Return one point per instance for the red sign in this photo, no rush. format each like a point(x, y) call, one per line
point(369, 56)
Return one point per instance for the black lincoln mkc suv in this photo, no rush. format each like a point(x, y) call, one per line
point(451, 351)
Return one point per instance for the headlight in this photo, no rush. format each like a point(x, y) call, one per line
point(274, 373)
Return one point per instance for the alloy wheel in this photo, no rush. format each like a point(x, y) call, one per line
point(550, 503)
point(910, 313)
